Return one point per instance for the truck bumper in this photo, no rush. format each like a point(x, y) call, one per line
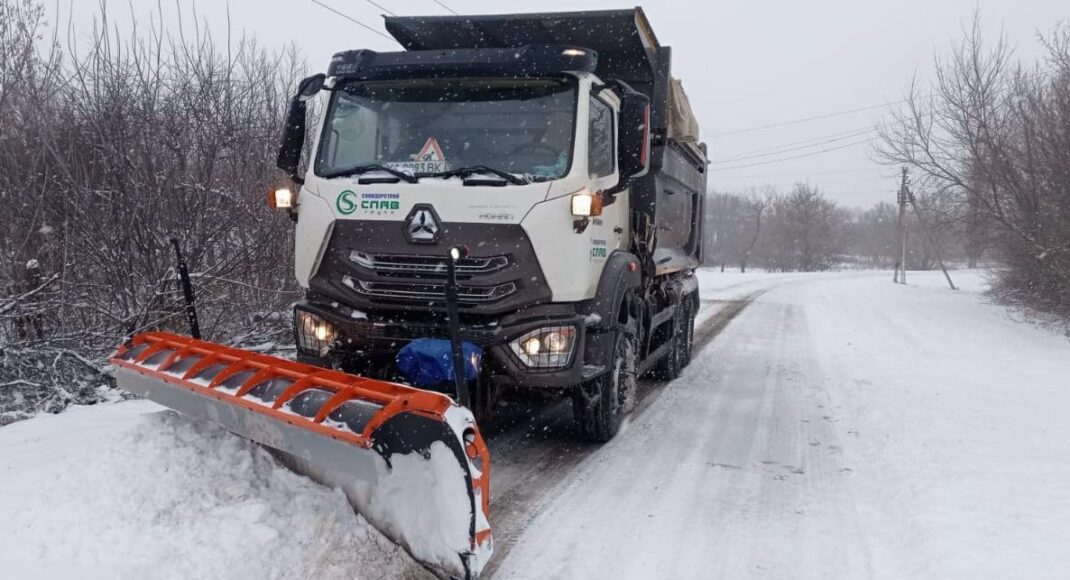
point(360, 338)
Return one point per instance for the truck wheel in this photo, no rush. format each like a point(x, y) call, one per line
point(689, 332)
point(484, 398)
point(599, 406)
point(668, 368)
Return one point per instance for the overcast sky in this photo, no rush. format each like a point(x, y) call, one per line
point(744, 65)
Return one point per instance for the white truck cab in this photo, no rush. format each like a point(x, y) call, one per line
point(556, 145)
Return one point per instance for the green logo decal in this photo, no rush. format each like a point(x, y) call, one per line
point(370, 203)
point(600, 250)
point(346, 204)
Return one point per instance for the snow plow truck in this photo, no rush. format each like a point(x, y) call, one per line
point(511, 203)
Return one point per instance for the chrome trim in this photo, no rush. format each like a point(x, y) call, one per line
point(432, 291)
point(423, 264)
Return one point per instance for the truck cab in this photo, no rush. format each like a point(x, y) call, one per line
point(539, 154)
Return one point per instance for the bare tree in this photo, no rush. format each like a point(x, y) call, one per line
point(755, 205)
point(805, 231)
point(992, 139)
point(734, 225)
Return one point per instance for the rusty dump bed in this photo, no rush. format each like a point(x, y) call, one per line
point(339, 429)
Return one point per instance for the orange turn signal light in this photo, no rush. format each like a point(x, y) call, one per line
point(586, 204)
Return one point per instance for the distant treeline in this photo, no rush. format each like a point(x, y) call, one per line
point(988, 151)
point(803, 230)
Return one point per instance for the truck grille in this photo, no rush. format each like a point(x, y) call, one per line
point(401, 265)
point(371, 266)
point(434, 292)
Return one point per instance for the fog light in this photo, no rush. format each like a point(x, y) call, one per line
point(314, 334)
point(549, 347)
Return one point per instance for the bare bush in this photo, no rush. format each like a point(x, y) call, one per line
point(108, 151)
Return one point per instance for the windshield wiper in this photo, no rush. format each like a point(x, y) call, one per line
point(359, 169)
point(474, 169)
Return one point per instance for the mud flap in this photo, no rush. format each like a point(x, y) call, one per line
point(412, 462)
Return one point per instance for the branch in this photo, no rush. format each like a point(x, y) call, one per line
point(11, 303)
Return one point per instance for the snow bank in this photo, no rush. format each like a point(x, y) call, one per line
point(125, 491)
point(424, 504)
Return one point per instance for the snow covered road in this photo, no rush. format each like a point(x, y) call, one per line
point(831, 426)
point(840, 427)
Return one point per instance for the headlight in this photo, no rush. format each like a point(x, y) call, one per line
point(314, 334)
point(548, 347)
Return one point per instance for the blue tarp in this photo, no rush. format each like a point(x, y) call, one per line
point(428, 362)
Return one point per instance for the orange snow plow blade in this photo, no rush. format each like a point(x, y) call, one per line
point(411, 461)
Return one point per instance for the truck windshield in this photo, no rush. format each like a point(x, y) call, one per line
point(522, 127)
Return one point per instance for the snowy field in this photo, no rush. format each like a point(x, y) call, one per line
point(839, 427)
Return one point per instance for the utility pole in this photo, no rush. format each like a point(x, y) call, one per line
point(900, 275)
point(928, 235)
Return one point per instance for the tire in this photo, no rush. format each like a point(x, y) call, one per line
point(669, 367)
point(600, 419)
point(484, 398)
point(689, 332)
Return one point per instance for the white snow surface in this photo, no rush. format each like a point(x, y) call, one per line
point(129, 491)
point(840, 427)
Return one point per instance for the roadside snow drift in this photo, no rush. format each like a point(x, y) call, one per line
point(129, 491)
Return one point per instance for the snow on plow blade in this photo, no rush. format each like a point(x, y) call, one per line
point(412, 462)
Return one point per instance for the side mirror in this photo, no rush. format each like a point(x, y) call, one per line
point(293, 133)
point(309, 86)
point(633, 149)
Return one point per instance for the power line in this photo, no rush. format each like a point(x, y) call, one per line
point(351, 19)
point(808, 176)
point(806, 119)
point(810, 154)
point(850, 196)
point(774, 175)
point(786, 149)
point(381, 7)
point(824, 190)
point(443, 4)
point(807, 140)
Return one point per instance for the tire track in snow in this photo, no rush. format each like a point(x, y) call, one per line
point(734, 472)
point(542, 448)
